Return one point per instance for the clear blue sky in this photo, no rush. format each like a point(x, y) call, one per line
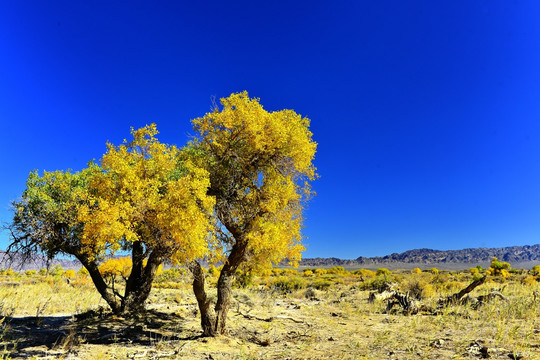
point(427, 113)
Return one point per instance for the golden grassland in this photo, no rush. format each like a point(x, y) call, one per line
point(283, 314)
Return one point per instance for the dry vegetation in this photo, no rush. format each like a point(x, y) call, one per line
point(283, 314)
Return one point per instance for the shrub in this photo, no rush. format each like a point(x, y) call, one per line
point(320, 272)
point(535, 270)
point(277, 272)
point(70, 274)
point(56, 270)
point(434, 271)
point(337, 270)
point(383, 272)
point(10, 272)
point(474, 270)
point(83, 272)
point(529, 280)
point(290, 272)
point(285, 284)
point(172, 274)
point(364, 273)
point(308, 273)
point(243, 279)
point(499, 268)
point(30, 272)
point(321, 284)
point(378, 283)
point(417, 271)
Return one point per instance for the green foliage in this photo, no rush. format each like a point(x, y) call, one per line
point(56, 270)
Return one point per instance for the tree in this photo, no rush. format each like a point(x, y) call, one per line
point(260, 165)
point(141, 199)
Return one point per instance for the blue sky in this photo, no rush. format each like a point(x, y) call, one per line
point(427, 113)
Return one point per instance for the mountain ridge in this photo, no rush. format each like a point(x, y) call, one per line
point(517, 256)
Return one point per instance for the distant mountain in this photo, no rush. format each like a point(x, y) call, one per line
point(517, 256)
point(35, 263)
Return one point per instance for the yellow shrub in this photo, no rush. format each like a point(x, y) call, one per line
point(308, 273)
point(320, 271)
point(364, 273)
point(70, 274)
point(417, 271)
point(529, 280)
point(30, 272)
point(383, 271)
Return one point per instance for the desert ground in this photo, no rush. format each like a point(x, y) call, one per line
point(282, 314)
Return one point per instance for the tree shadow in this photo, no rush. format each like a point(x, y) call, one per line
point(31, 336)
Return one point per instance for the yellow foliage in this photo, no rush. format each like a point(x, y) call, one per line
point(417, 271)
point(530, 280)
point(145, 194)
point(116, 267)
point(260, 163)
point(364, 273)
point(70, 274)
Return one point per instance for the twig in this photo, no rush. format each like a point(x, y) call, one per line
point(270, 319)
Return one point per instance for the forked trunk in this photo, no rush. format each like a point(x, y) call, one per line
point(214, 323)
point(139, 284)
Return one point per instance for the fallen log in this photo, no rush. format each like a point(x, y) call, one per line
point(456, 298)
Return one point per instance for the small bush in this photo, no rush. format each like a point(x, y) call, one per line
point(383, 272)
point(82, 272)
point(417, 271)
point(321, 284)
point(434, 271)
point(308, 273)
point(365, 273)
point(70, 274)
point(285, 284)
point(529, 280)
point(337, 270)
point(30, 272)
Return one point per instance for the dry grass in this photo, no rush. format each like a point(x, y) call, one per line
point(336, 322)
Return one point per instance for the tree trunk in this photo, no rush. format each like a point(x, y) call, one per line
point(105, 290)
point(207, 315)
point(224, 285)
point(139, 284)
